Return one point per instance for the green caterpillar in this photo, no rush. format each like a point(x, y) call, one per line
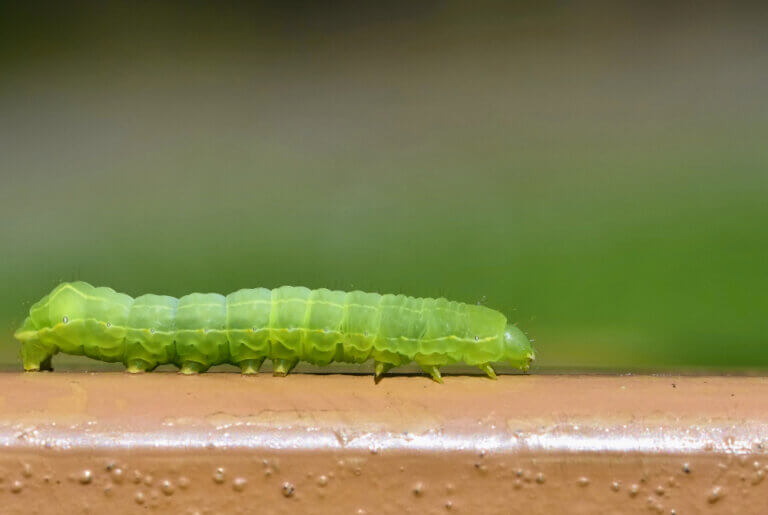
point(286, 325)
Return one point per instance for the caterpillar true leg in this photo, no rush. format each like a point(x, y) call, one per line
point(282, 367)
point(433, 371)
point(251, 366)
point(381, 369)
point(488, 369)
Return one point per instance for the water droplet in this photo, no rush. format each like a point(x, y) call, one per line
point(287, 489)
point(183, 482)
point(655, 506)
point(477, 338)
point(148, 479)
point(322, 480)
point(686, 468)
point(65, 319)
point(17, 486)
point(137, 477)
point(418, 489)
point(448, 505)
point(659, 490)
point(109, 324)
point(634, 490)
point(517, 484)
point(117, 475)
point(26, 470)
point(540, 478)
point(218, 475)
point(167, 487)
point(108, 489)
point(615, 486)
point(583, 481)
point(759, 476)
point(152, 331)
point(449, 487)
point(715, 495)
point(139, 498)
point(85, 477)
point(238, 485)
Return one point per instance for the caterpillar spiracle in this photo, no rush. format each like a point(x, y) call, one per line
point(287, 325)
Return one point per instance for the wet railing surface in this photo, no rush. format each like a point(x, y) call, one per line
point(224, 443)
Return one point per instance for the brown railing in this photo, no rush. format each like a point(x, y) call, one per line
point(223, 443)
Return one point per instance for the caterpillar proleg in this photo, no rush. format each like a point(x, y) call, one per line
point(286, 325)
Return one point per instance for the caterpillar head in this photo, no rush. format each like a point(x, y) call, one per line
point(517, 347)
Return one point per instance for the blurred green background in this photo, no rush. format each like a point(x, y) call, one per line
point(597, 171)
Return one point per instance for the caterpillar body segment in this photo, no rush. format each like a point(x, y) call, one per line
point(286, 325)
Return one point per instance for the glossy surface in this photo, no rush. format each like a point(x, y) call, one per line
point(222, 442)
point(304, 412)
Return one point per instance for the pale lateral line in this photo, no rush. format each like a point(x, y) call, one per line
point(251, 331)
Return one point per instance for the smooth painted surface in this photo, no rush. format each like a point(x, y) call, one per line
point(218, 443)
point(342, 412)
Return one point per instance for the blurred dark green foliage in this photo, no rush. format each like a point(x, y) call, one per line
point(597, 172)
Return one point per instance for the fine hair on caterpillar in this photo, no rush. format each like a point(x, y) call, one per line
point(286, 325)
